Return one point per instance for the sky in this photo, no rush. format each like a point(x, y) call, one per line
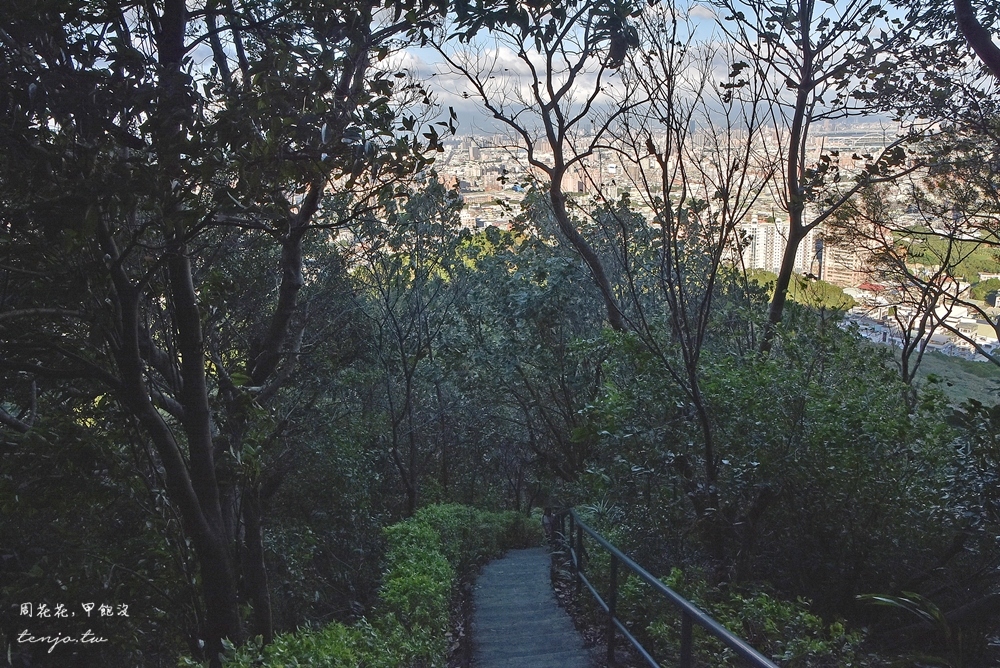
point(452, 90)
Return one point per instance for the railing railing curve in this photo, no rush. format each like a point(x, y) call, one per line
point(690, 614)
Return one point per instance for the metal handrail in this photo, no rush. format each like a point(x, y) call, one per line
point(690, 614)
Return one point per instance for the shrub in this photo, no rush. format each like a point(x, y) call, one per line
point(413, 600)
point(427, 556)
point(333, 646)
point(786, 631)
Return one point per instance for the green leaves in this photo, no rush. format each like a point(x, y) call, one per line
point(929, 613)
point(426, 556)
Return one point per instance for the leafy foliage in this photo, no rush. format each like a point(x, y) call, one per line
point(786, 631)
point(426, 556)
point(810, 292)
point(239, 317)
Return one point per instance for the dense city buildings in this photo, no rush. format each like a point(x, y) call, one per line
point(493, 175)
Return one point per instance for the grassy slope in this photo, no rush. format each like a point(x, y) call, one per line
point(962, 379)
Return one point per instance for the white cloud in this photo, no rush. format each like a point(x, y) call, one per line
point(699, 11)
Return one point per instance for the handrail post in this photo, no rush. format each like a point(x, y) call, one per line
point(579, 558)
point(612, 601)
point(568, 540)
point(686, 649)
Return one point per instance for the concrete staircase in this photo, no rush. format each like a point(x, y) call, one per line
point(517, 622)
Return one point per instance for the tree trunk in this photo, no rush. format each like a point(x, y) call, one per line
point(254, 566)
point(777, 308)
point(794, 193)
point(203, 516)
point(615, 316)
point(978, 37)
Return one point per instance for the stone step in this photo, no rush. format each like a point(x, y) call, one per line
point(517, 623)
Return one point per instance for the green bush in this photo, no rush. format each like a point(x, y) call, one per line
point(786, 631)
point(470, 537)
point(427, 556)
point(413, 600)
point(827, 475)
point(333, 646)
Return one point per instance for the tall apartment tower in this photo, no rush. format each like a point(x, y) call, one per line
point(767, 239)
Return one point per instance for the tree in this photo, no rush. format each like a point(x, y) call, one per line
point(131, 175)
point(922, 252)
point(568, 54)
point(408, 268)
point(808, 56)
point(643, 97)
point(955, 198)
point(541, 353)
point(977, 36)
point(690, 152)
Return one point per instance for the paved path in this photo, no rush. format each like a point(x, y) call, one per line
point(517, 622)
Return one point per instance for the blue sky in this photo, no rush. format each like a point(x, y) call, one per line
point(426, 65)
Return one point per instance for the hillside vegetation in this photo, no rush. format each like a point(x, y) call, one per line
point(268, 394)
point(961, 379)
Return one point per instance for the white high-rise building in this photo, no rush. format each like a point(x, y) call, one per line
point(763, 249)
point(766, 241)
